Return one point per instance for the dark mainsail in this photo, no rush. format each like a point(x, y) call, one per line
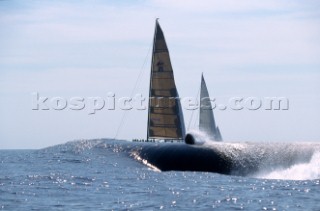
point(165, 118)
point(206, 119)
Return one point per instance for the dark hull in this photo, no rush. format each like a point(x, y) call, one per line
point(224, 158)
point(182, 157)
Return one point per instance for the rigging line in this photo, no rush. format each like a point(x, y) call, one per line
point(196, 124)
point(191, 118)
point(141, 73)
point(134, 89)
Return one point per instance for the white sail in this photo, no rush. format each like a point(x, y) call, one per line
point(206, 118)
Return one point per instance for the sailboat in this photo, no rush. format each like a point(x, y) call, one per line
point(165, 122)
point(206, 118)
point(165, 117)
point(207, 125)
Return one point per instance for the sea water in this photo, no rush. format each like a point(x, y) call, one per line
point(98, 175)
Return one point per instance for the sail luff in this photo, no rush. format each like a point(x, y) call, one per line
point(218, 135)
point(150, 85)
point(165, 119)
point(183, 129)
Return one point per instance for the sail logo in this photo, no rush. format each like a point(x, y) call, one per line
point(160, 65)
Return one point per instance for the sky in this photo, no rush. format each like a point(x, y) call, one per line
point(91, 49)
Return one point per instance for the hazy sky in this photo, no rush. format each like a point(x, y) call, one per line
point(249, 48)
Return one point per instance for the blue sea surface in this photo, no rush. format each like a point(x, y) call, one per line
point(97, 175)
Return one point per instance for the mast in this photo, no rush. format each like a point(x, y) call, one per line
point(206, 118)
point(165, 118)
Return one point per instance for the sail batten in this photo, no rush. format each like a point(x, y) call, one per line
point(206, 118)
point(165, 118)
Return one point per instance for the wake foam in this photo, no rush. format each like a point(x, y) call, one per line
point(289, 161)
point(301, 171)
point(296, 161)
